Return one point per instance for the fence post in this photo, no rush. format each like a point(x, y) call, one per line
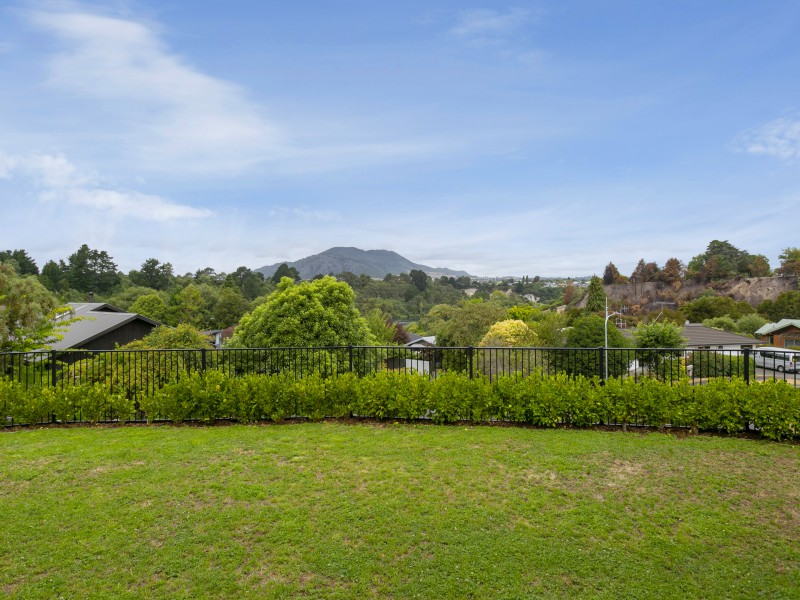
point(470, 351)
point(747, 366)
point(53, 371)
point(202, 360)
point(603, 363)
point(350, 353)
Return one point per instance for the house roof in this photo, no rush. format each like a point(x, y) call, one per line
point(773, 327)
point(698, 335)
point(97, 318)
point(416, 340)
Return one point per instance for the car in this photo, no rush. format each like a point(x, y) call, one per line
point(777, 359)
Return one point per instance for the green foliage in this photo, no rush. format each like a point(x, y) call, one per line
point(164, 338)
point(785, 306)
point(466, 324)
point(723, 260)
point(588, 332)
point(27, 313)
point(717, 364)
point(380, 325)
point(153, 275)
point(90, 270)
point(229, 307)
point(285, 270)
point(313, 313)
point(658, 335)
point(709, 307)
point(661, 364)
point(725, 323)
point(596, 295)
point(20, 261)
point(790, 262)
point(509, 333)
point(547, 401)
point(749, 324)
point(151, 306)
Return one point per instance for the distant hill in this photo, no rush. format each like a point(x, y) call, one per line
point(375, 263)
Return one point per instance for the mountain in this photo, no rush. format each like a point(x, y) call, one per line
point(375, 263)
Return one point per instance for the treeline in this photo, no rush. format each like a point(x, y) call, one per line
point(721, 260)
point(207, 299)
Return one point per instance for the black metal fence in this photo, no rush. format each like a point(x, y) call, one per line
point(142, 371)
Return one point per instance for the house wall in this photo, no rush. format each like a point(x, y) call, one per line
point(131, 331)
point(134, 330)
point(788, 336)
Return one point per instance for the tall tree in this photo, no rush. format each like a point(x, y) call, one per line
point(23, 263)
point(610, 274)
point(285, 270)
point(53, 277)
point(723, 260)
point(790, 262)
point(673, 271)
point(596, 300)
point(91, 270)
point(229, 307)
point(419, 279)
point(153, 274)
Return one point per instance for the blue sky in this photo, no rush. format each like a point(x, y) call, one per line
point(539, 138)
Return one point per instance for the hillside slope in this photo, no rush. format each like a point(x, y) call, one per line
point(753, 290)
point(375, 263)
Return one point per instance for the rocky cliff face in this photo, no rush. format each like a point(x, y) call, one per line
point(753, 290)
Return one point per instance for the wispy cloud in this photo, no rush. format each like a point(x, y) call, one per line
point(184, 119)
point(56, 179)
point(779, 138)
point(489, 24)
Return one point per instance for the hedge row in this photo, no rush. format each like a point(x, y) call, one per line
point(721, 405)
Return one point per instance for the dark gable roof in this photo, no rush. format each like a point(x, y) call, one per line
point(698, 335)
point(96, 319)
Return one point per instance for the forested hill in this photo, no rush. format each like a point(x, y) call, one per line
point(375, 263)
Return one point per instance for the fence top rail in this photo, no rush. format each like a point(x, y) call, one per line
point(43, 353)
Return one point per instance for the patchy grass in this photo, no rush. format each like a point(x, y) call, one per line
point(331, 510)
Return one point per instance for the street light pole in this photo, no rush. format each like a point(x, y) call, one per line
point(605, 340)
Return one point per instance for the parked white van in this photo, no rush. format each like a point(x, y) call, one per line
point(777, 359)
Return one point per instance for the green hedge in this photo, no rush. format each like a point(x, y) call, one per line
point(547, 401)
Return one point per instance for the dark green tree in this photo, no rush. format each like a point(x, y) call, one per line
point(53, 277)
point(91, 270)
point(785, 306)
point(419, 279)
point(23, 263)
point(610, 274)
point(596, 295)
point(790, 262)
point(285, 270)
point(151, 306)
point(587, 333)
point(153, 274)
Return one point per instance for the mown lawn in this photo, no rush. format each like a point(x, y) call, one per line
point(331, 510)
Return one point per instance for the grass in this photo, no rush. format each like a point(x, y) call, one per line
point(331, 510)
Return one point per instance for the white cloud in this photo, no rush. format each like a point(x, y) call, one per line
point(485, 24)
point(58, 180)
point(184, 119)
point(779, 138)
